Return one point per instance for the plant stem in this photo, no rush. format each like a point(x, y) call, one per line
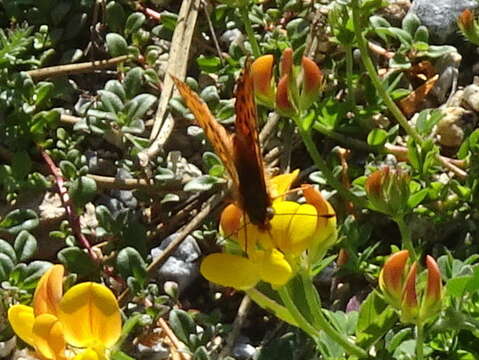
point(268, 304)
point(419, 341)
point(296, 314)
point(370, 68)
point(405, 236)
point(321, 165)
point(314, 303)
point(249, 29)
point(349, 75)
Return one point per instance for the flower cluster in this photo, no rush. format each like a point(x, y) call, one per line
point(295, 91)
point(398, 284)
point(272, 255)
point(388, 190)
point(82, 324)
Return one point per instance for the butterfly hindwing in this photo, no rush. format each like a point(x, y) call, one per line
point(254, 196)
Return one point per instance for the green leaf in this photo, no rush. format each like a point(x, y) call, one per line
point(68, 170)
point(18, 220)
point(377, 137)
point(21, 164)
point(110, 101)
point(116, 87)
point(182, 325)
point(77, 261)
point(209, 64)
point(416, 198)
point(137, 107)
point(203, 183)
point(7, 249)
point(115, 16)
point(116, 44)
point(130, 263)
point(133, 82)
point(134, 22)
point(43, 93)
point(375, 319)
point(33, 272)
point(410, 23)
point(25, 245)
point(82, 190)
point(6, 266)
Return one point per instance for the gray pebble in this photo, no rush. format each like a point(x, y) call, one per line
point(440, 16)
point(182, 266)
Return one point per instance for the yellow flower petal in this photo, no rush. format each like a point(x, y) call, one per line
point(280, 184)
point(89, 354)
point(279, 224)
point(301, 229)
point(274, 268)
point(230, 270)
point(48, 337)
point(21, 318)
point(49, 291)
point(89, 313)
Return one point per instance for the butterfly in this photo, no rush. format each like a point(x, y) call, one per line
point(240, 152)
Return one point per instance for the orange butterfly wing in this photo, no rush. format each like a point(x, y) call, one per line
point(254, 196)
point(214, 131)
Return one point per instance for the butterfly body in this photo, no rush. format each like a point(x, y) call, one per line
point(240, 153)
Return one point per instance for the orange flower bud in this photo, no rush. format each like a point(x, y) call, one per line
point(312, 83)
point(230, 221)
point(262, 73)
point(283, 101)
point(286, 65)
point(466, 20)
point(391, 279)
point(409, 304)
point(433, 296)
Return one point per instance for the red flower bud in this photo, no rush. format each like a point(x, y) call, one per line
point(409, 304)
point(283, 97)
point(286, 65)
point(466, 20)
point(433, 295)
point(312, 83)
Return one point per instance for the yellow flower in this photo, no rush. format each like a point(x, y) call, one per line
point(272, 255)
point(87, 316)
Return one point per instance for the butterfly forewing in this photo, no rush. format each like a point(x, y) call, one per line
point(254, 196)
point(214, 131)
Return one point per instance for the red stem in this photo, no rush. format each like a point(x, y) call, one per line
point(72, 215)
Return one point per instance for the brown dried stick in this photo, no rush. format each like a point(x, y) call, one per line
point(70, 69)
point(177, 64)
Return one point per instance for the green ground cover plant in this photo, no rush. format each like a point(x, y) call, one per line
point(369, 247)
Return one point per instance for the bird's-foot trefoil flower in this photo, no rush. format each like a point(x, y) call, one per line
point(273, 254)
point(81, 324)
point(398, 283)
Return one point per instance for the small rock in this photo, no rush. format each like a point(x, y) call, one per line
point(440, 16)
point(395, 11)
point(6, 347)
point(125, 196)
point(471, 97)
point(155, 352)
point(230, 36)
point(451, 128)
point(243, 349)
point(183, 266)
